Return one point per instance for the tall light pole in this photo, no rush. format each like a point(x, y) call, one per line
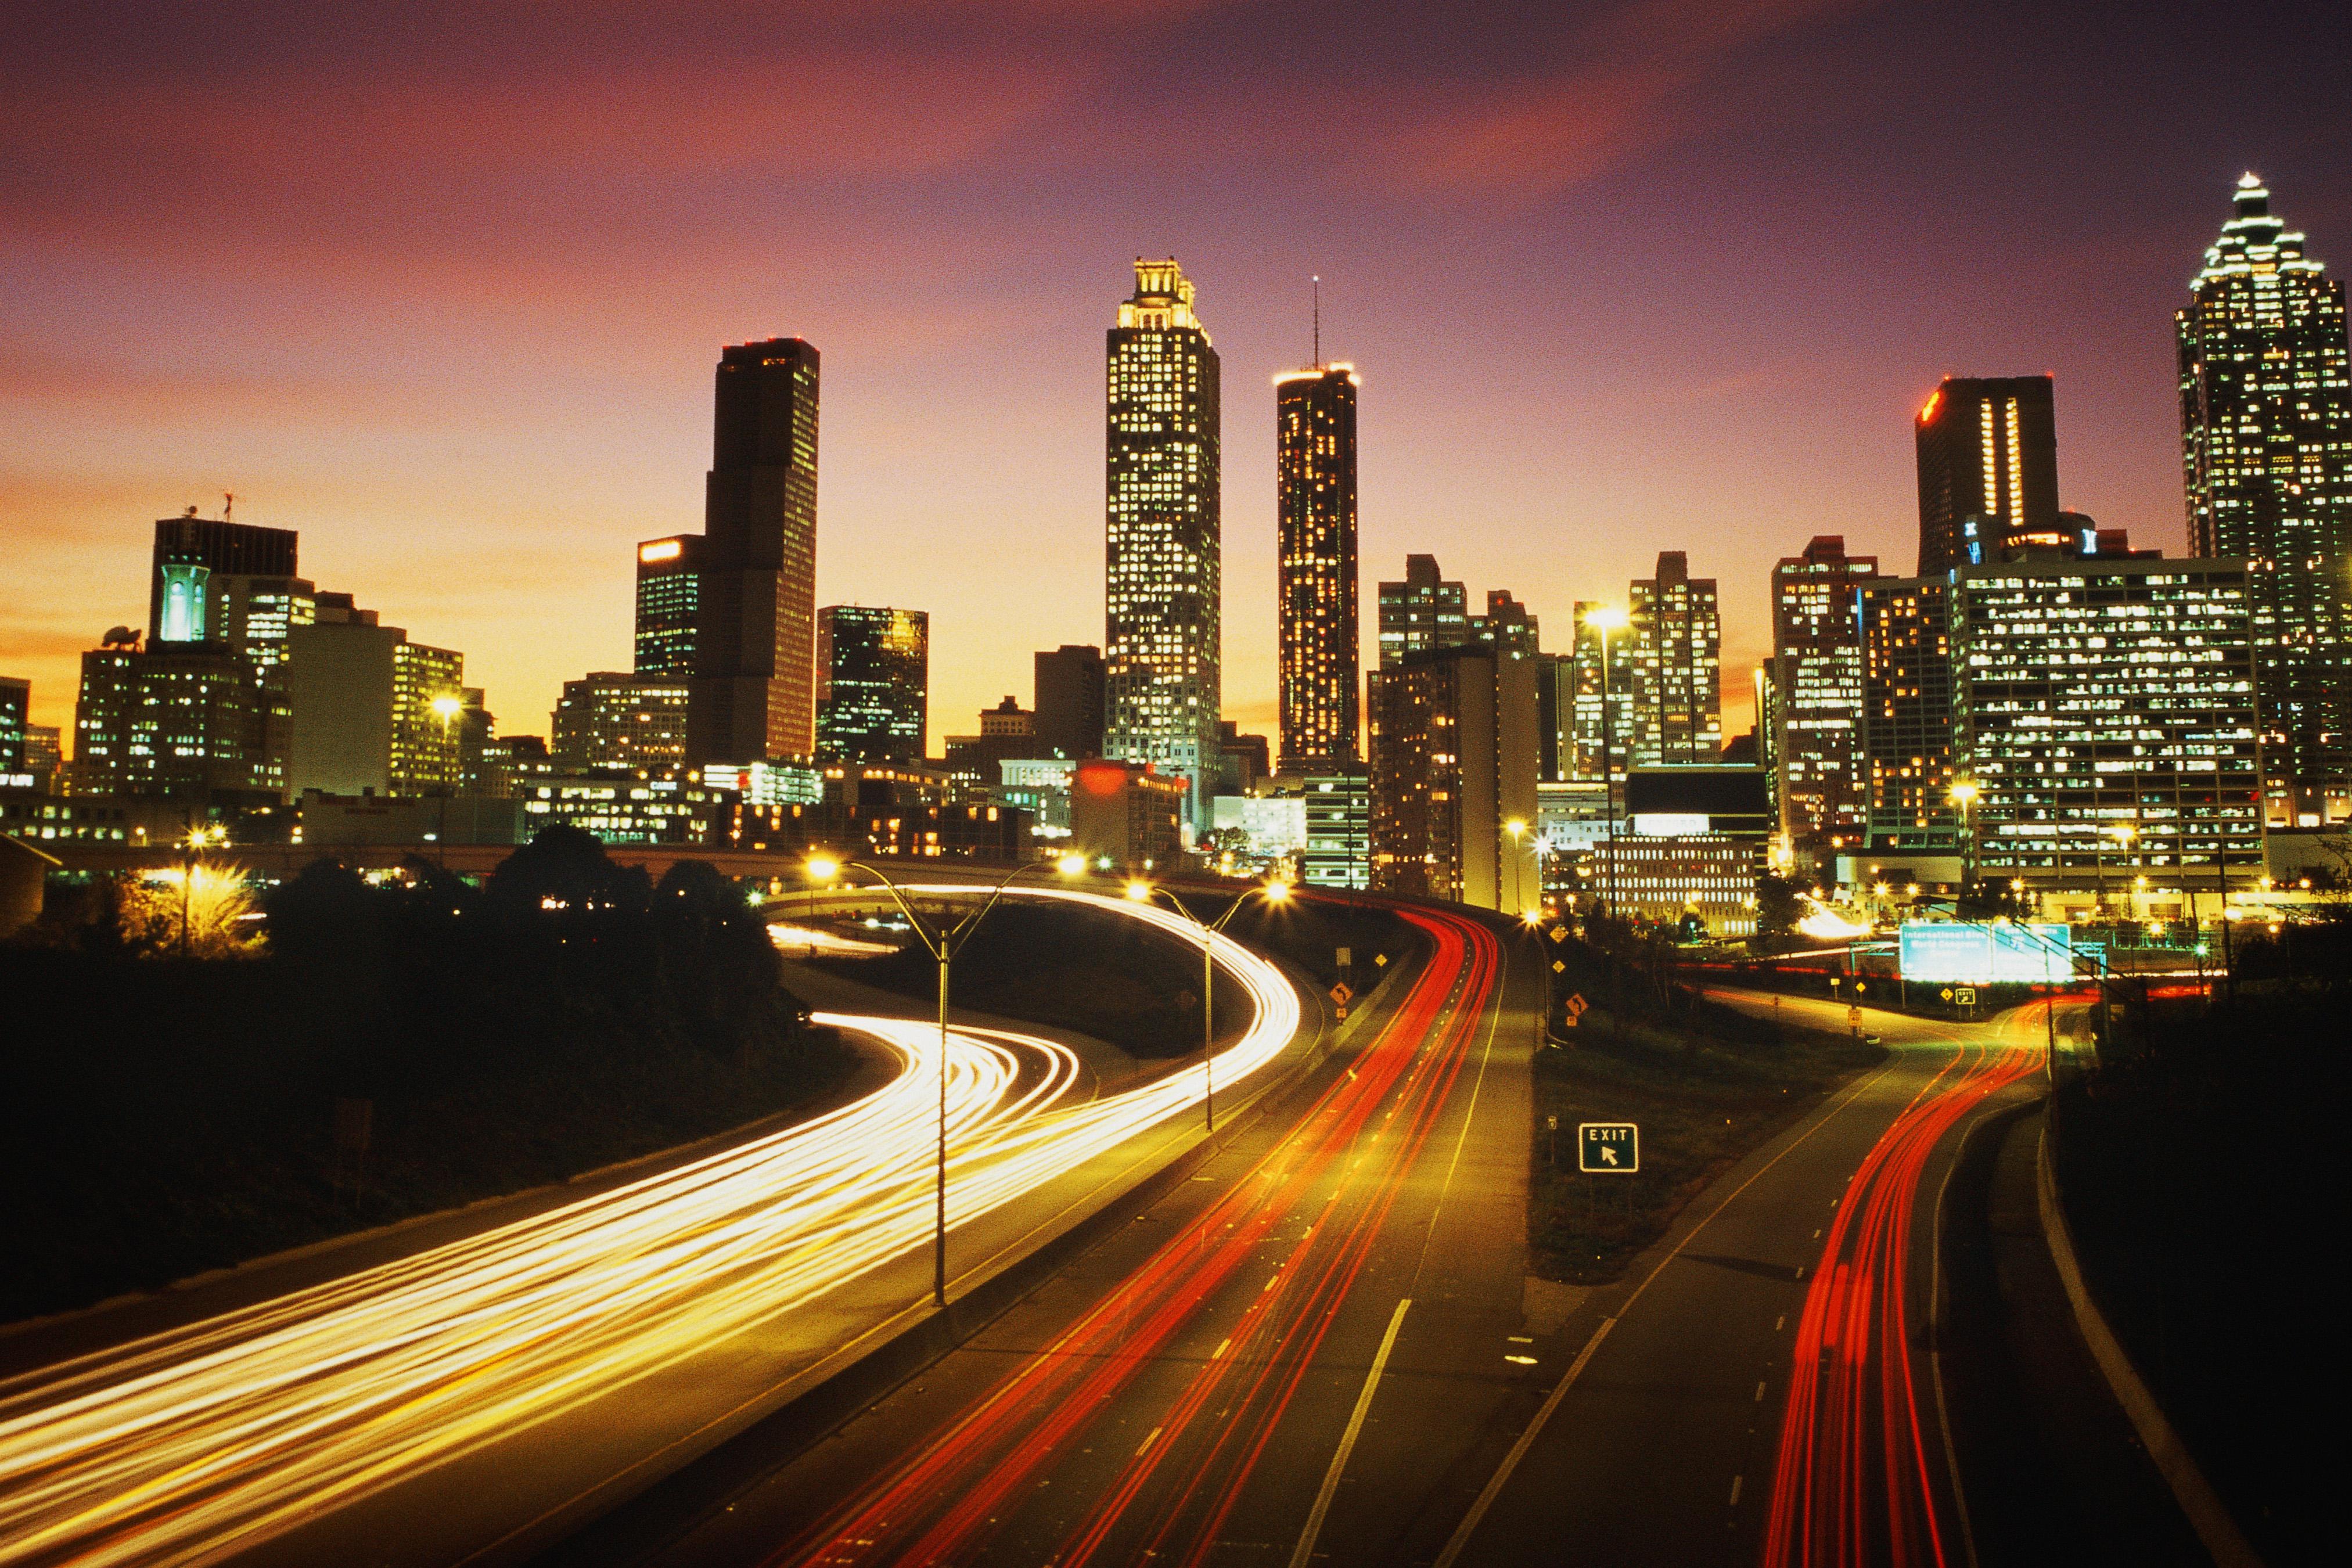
point(446, 707)
point(1964, 794)
point(942, 945)
point(1273, 892)
point(1605, 619)
point(1517, 828)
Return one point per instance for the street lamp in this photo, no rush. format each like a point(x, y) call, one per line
point(1605, 619)
point(942, 945)
point(1517, 828)
point(2122, 833)
point(1965, 794)
point(198, 840)
point(1273, 892)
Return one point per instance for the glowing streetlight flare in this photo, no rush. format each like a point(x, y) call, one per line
point(822, 867)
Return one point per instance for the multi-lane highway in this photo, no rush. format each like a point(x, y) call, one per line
point(597, 1318)
point(1281, 1360)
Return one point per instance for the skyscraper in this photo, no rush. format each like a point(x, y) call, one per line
point(608, 719)
point(2267, 450)
point(184, 601)
point(1422, 611)
point(1315, 478)
point(1454, 758)
point(1821, 767)
point(754, 679)
point(1069, 701)
point(1987, 470)
point(1161, 565)
point(1906, 651)
point(1673, 703)
point(1506, 625)
point(873, 665)
point(670, 605)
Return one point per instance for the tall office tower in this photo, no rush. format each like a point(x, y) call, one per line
point(186, 721)
point(2266, 447)
point(192, 551)
point(15, 707)
point(1907, 728)
point(1454, 754)
point(1315, 485)
point(1822, 770)
point(1069, 701)
point(1506, 625)
point(1421, 613)
point(367, 709)
point(609, 720)
point(1162, 563)
point(1987, 470)
point(873, 673)
point(2104, 710)
point(1674, 701)
point(670, 605)
point(755, 652)
point(1580, 746)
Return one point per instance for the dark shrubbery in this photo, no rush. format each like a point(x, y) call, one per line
point(166, 1116)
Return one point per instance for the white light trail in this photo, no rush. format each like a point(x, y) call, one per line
point(191, 1442)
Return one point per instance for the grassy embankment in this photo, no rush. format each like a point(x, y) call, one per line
point(1706, 1082)
point(2202, 1181)
point(166, 1116)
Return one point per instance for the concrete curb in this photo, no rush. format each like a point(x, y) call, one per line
point(2215, 1528)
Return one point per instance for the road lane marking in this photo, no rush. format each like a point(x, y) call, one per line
point(1149, 1441)
point(1460, 1539)
point(1348, 1440)
point(1734, 1492)
point(1221, 1346)
point(1779, 1322)
point(1759, 1393)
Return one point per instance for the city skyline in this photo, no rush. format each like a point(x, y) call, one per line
point(492, 526)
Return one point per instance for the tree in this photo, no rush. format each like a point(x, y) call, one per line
point(1778, 906)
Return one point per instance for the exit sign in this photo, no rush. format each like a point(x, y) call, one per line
point(1611, 1148)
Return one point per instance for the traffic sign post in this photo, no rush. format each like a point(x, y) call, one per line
point(1341, 995)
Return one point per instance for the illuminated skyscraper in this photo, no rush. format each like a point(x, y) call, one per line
point(1988, 470)
point(1907, 652)
point(754, 679)
point(1315, 478)
point(670, 605)
point(1161, 558)
point(1672, 706)
point(1820, 766)
point(1453, 777)
point(2266, 450)
point(1421, 613)
point(608, 719)
point(873, 702)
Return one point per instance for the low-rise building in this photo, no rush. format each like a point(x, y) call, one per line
point(1693, 844)
point(1127, 814)
point(993, 834)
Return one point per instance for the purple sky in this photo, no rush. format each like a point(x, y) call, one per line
point(443, 288)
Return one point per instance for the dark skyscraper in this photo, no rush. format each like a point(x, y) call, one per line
point(1814, 729)
point(1422, 611)
point(670, 605)
point(755, 657)
point(1161, 589)
point(184, 603)
point(1314, 481)
point(1069, 703)
point(874, 671)
point(2266, 447)
point(1988, 470)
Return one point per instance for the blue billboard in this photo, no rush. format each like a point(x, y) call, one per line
point(1965, 953)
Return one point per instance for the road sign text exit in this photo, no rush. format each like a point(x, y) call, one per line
point(1610, 1147)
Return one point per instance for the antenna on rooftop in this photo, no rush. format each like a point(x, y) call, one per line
point(1317, 281)
point(229, 504)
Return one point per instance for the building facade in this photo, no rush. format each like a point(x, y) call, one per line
point(1453, 757)
point(2105, 718)
point(1069, 701)
point(873, 665)
point(1672, 702)
point(190, 555)
point(669, 606)
point(2266, 452)
point(370, 712)
point(186, 721)
point(755, 641)
point(16, 714)
point(1127, 815)
point(1811, 723)
point(1988, 451)
point(1907, 727)
point(630, 723)
point(1422, 611)
point(1314, 490)
point(1162, 590)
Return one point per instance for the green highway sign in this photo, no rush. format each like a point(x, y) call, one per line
point(1611, 1148)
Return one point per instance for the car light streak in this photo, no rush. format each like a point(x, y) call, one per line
point(1335, 1174)
point(210, 1438)
point(1851, 1484)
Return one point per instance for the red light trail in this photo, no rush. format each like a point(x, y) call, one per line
point(1852, 1483)
point(1339, 1172)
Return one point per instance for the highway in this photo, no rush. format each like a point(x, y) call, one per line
point(404, 1387)
point(1763, 1387)
point(1280, 1362)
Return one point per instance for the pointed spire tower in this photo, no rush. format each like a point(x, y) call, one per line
point(1314, 483)
point(2266, 454)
